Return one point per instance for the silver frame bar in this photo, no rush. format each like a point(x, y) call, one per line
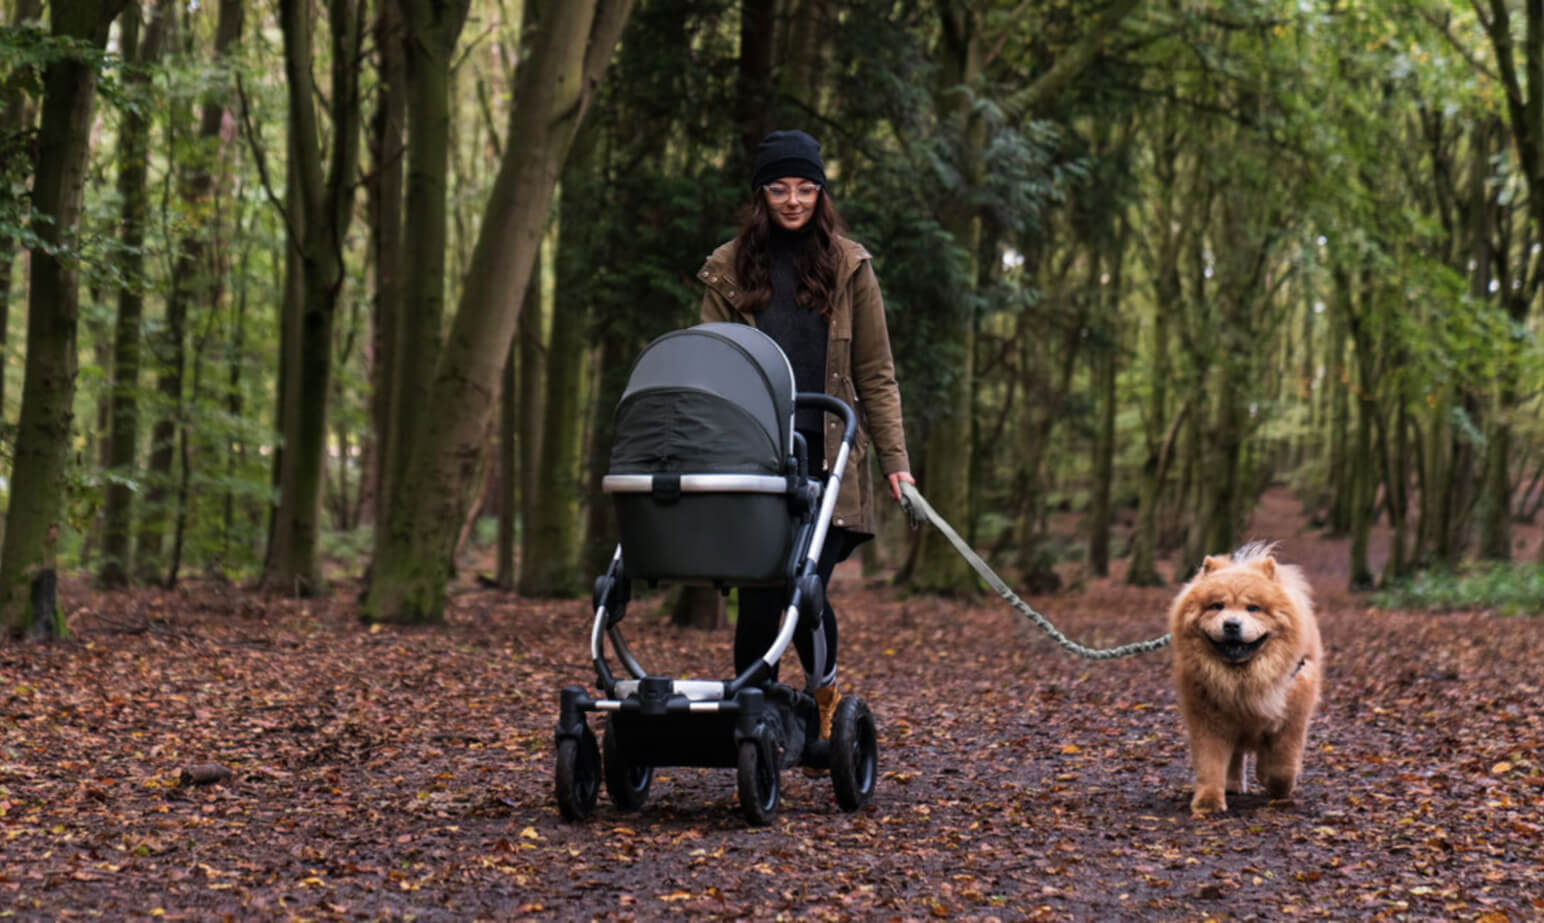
point(698, 484)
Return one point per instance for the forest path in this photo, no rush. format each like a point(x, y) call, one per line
point(383, 772)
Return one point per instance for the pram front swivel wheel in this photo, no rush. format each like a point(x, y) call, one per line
point(626, 782)
point(578, 775)
point(758, 785)
point(854, 753)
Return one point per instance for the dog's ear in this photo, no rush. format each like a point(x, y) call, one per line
point(1266, 566)
point(1214, 562)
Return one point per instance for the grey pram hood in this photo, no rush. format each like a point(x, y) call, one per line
point(714, 398)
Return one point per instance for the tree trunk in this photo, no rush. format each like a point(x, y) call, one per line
point(804, 44)
point(16, 117)
point(753, 89)
point(1340, 408)
point(1104, 380)
point(432, 29)
point(600, 540)
point(42, 452)
point(323, 212)
point(552, 567)
point(386, 232)
point(508, 471)
point(947, 454)
point(1168, 293)
point(1364, 463)
point(1396, 486)
point(556, 80)
point(133, 167)
point(528, 337)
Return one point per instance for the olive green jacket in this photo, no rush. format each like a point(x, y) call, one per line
point(859, 370)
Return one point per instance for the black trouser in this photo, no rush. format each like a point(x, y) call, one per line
point(761, 613)
point(761, 609)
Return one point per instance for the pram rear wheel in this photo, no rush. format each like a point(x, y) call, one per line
point(854, 753)
point(578, 775)
point(626, 782)
point(758, 785)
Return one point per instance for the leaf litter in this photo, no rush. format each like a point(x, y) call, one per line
point(210, 753)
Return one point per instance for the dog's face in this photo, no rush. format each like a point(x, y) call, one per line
point(1237, 611)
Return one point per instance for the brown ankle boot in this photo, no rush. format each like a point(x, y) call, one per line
point(826, 698)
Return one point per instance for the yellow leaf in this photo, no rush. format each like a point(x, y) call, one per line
point(674, 896)
point(530, 833)
point(1071, 748)
point(1501, 767)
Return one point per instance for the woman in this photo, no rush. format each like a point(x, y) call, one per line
point(792, 273)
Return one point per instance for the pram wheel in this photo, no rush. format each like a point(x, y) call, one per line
point(758, 785)
point(626, 783)
point(854, 753)
point(578, 775)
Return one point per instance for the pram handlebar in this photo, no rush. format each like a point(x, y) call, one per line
point(831, 405)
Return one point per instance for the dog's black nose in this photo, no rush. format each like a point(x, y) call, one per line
point(1230, 628)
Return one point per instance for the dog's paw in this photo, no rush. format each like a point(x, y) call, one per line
point(1280, 787)
point(1209, 799)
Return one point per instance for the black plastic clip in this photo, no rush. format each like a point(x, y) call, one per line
point(666, 488)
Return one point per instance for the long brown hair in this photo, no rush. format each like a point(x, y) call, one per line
point(814, 264)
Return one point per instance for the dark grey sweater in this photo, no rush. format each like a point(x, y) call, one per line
point(800, 332)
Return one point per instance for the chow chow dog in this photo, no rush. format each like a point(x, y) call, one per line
point(1247, 668)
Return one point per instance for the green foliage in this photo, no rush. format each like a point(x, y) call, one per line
point(1507, 589)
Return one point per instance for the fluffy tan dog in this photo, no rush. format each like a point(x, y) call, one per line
point(1247, 666)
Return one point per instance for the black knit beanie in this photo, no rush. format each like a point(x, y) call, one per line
point(788, 153)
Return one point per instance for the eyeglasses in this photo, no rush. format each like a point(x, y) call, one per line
point(778, 193)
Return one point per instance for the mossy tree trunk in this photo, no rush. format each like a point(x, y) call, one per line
point(43, 437)
point(431, 30)
point(571, 43)
point(551, 567)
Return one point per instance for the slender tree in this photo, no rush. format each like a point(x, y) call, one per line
point(384, 191)
point(133, 165)
point(320, 214)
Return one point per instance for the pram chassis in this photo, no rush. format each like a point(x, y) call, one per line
point(750, 722)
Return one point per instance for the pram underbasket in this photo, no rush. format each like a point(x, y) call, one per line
point(709, 489)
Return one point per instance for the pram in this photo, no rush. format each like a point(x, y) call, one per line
point(708, 479)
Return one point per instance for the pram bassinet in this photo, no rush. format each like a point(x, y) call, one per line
point(700, 462)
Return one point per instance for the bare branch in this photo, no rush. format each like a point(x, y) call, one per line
point(250, 133)
point(1444, 26)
